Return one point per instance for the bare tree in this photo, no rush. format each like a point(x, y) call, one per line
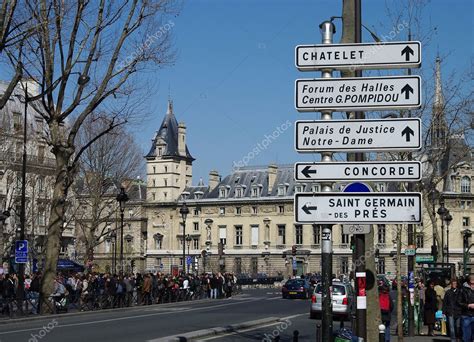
point(105, 165)
point(104, 43)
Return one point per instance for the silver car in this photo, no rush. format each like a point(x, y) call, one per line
point(343, 300)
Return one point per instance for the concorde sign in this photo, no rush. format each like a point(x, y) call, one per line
point(362, 207)
point(367, 93)
point(391, 55)
point(358, 135)
point(356, 171)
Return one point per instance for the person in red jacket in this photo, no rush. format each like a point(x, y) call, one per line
point(386, 308)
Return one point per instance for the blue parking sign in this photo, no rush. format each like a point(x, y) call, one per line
point(21, 251)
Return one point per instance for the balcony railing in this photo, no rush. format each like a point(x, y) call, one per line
point(12, 158)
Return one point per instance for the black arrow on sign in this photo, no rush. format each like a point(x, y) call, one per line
point(407, 90)
point(407, 132)
point(307, 171)
point(307, 209)
point(407, 51)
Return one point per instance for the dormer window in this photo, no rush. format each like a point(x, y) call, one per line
point(238, 192)
point(255, 191)
point(198, 195)
point(223, 191)
point(282, 190)
point(298, 188)
point(315, 188)
point(160, 151)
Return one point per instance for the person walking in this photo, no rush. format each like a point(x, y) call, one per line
point(452, 310)
point(386, 308)
point(214, 285)
point(466, 302)
point(430, 308)
point(146, 289)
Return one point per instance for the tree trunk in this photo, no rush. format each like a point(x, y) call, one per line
point(373, 305)
point(55, 227)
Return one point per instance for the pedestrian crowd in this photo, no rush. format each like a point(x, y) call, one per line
point(100, 291)
point(455, 301)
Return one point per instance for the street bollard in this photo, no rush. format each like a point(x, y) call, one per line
point(295, 335)
point(318, 332)
point(382, 333)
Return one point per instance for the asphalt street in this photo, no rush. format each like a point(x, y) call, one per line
point(260, 308)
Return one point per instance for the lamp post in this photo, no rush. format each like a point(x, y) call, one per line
point(188, 242)
point(184, 211)
point(442, 211)
point(122, 198)
point(113, 237)
point(448, 218)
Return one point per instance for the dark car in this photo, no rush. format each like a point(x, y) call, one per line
point(296, 288)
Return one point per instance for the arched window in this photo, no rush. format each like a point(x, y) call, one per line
point(465, 184)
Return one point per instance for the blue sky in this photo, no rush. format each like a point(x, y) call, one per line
point(233, 80)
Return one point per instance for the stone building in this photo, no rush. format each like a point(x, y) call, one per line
point(40, 166)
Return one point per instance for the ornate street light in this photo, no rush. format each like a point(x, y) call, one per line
point(122, 198)
point(184, 211)
point(448, 218)
point(113, 237)
point(188, 242)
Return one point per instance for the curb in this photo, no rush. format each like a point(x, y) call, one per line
point(38, 317)
point(191, 336)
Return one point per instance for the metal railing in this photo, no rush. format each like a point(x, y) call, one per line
point(11, 308)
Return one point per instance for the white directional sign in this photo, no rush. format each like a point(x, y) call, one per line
point(358, 56)
point(358, 207)
point(358, 135)
point(357, 171)
point(365, 93)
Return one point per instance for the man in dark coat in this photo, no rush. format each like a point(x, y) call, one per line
point(431, 306)
point(452, 310)
point(466, 301)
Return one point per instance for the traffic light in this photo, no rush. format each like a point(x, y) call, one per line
point(293, 250)
point(352, 242)
point(377, 253)
point(132, 264)
point(220, 248)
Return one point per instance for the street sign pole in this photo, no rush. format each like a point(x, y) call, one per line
point(361, 312)
point(327, 30)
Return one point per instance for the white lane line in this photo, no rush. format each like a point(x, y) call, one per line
point(254, 328)
point(127, 317)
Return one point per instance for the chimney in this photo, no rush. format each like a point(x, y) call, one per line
point(214, 179)
point(272, 173)
point(182, 139)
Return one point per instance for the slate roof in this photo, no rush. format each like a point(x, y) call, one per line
point(247, 178)
point(168, 136)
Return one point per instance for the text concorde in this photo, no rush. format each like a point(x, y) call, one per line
point(369, 171)
point(370, 93)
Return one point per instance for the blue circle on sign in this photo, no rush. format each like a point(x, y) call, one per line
point(357, 187)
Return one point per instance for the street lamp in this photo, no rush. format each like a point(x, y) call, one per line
point(113, 237)
point(184, 211)
point(448, 218)
point(442, 211)
point(122, 198)
point(188, 241)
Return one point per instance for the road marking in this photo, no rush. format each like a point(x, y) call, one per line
point(127, 317)
point(255, 327)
